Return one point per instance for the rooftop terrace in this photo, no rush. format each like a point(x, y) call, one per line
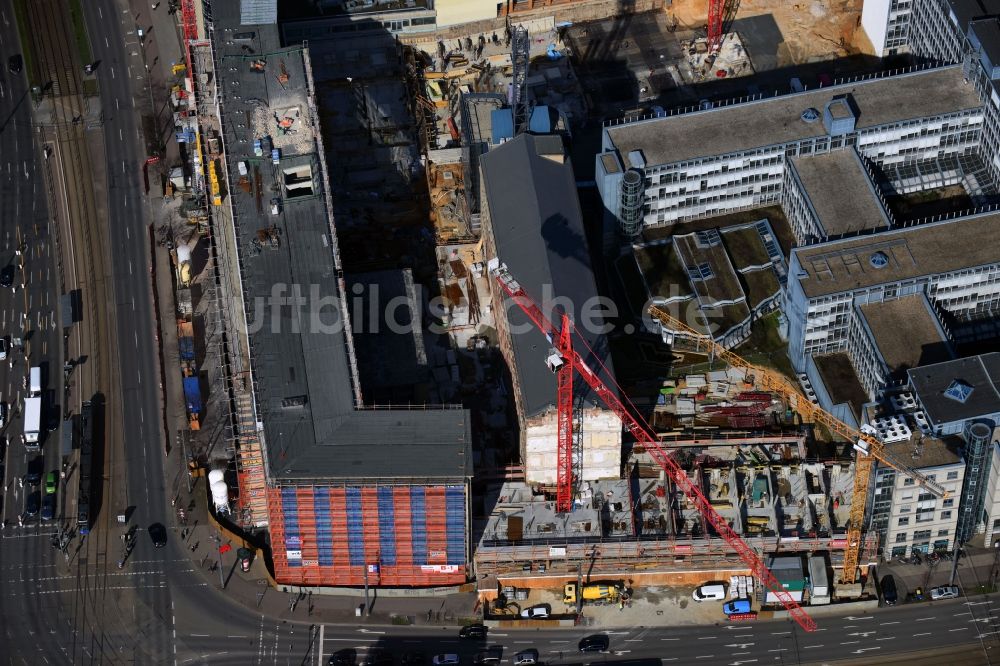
point(825, 178)
point(906, 333)
point(777, 120)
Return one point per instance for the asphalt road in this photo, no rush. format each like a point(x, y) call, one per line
point(914, 627)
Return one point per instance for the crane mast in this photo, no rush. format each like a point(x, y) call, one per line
point(867, 446)
point(644, 434)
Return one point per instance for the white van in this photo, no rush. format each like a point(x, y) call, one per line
point(710, 592)
point(35, 381)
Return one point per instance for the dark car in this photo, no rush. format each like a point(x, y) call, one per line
point(473, 631)
point(595, 643)
point(48, 507)
point(345, 657)
point(158, 534)
point(31, 504)
point(889, 590)
point(378, 657)
point(7, 276)
point(414, 659)
point(34, 474)
point(15, 63)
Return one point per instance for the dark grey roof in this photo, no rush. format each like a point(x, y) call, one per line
point(390, 444)
point(392, 359)
point(537, 224)
point(987, 31)
point(981, 373)
point(970, 10)
point(302, 378)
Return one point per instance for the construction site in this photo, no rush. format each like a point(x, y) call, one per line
point(449, 160)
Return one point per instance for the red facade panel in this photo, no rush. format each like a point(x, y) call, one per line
point(403, 574)
point(437, 547)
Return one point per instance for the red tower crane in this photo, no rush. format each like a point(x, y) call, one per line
point(564, 383)
point(716, 9)
point(644, 434)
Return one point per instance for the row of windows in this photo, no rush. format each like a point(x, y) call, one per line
point(922, 517)
point(903, 537)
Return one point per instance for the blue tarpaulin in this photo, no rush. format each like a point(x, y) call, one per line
point(192, 395)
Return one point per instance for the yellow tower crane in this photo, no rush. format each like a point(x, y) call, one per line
point(867, 446)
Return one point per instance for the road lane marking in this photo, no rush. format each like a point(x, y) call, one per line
point(926, 633)
point(923, 619)
point(960, 629)
point(886, 624)
point(811, 647)
point(850, 642)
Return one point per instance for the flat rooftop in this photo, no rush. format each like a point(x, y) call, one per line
point(716, 282)
point(777, 120)
point(826, 179)
point(907, 333)
point(902, 254)
point(979, 374)
point(303, 386)
point(921, 451)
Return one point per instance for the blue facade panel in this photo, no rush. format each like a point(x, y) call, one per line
point(355, 527)
point(324, 533)
point(419, 520)
point(454, 497)
point(290, 511)
point(386, 526)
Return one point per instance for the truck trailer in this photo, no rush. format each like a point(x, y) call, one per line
point(32, 422)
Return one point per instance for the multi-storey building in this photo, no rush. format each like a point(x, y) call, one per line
point(354, 494)
point(715, 161)
point(532, 224)
point(961, 397)
point(945, 260)
point(887, 24)
point(909, 518)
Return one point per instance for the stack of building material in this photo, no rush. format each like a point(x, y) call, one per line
point(685, 407)
point(695, 381)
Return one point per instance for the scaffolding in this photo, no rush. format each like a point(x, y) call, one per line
point(390, 534)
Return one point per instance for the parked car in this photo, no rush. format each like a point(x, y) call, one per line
point(7, 276)
point(526, 657)
point(888, 585)
point(445, 660)
point(710, 592)
point(4, 348)
point(944, 592)
point(473, 631)
point(595, 643)
point(15, 63)
point(51, 480)
point(736, 607)
point(414, 659)
point(539, 612)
